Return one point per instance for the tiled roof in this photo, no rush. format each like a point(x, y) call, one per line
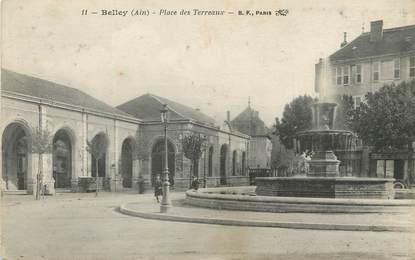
point(248, 122)
point(394, 40)
point(147, 107)
point(47, 90)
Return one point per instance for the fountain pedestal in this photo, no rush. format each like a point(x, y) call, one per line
point(324, 164)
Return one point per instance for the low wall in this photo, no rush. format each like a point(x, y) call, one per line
point(326, 187)
point(229, 198)
point(184, 183)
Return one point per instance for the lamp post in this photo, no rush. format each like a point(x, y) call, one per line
point(204, 147)
point(165, 200)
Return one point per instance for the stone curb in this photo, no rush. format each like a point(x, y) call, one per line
point(204, 193)
point(252, 223)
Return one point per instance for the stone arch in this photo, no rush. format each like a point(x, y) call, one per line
point(63, 154)
point(243, 163)
point(100, 166)
point(157, 159)
point(157, 139)
point(234, 162)
point(69, 131)
point(210, 162)
point(223, 163)
point(17, 155)
point(128, 154)
point(21, 121)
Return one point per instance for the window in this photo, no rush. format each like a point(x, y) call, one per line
point(376, 71)
point(356, 74)
point(412, 66)
point(339, 75)
point(386, 69)
point(346, 75)
point(397, 68)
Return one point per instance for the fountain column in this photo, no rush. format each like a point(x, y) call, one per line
point(324, 162)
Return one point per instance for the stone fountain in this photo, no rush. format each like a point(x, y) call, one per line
point(323, 179)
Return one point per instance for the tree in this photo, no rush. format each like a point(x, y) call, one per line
point(192, 149)
point(41, 144)
point(97, 148)
point(386, 121)
point(297, 116)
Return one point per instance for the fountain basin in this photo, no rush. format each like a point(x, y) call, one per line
point(232, 198)
point(326, 187)
point(325, 140)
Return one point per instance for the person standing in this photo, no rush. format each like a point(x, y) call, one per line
point(195, 183)
point(140, 184)
point(158, 188)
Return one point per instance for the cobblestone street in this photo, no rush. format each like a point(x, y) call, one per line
point(80, 226)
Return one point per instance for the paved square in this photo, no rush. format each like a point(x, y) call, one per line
point(80, 226)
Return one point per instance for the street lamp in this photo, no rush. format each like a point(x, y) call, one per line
point(204, 147)
point(165, 200)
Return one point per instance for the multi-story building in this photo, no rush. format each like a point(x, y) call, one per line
point(373, 59)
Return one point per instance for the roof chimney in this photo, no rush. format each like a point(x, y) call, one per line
point(344, 40)
point(376, 30)
point(228, 116)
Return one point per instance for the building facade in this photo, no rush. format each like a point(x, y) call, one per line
point(223, 161)
point(372, 60)
point(260, 146)
point(71, 120)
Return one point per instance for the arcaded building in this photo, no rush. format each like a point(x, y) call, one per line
point(131, 134)
point(223, 161)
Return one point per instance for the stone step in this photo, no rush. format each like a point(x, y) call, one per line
point(63, 190)
point(15, 192)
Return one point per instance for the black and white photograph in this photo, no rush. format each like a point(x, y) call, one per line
point(217, 130)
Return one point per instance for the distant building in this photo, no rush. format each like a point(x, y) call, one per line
point(248, 122)
point(373, 59)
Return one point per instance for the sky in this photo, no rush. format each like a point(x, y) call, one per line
point(213, 63)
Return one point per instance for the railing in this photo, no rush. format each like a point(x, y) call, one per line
point(258, 172)
point(89, 184)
